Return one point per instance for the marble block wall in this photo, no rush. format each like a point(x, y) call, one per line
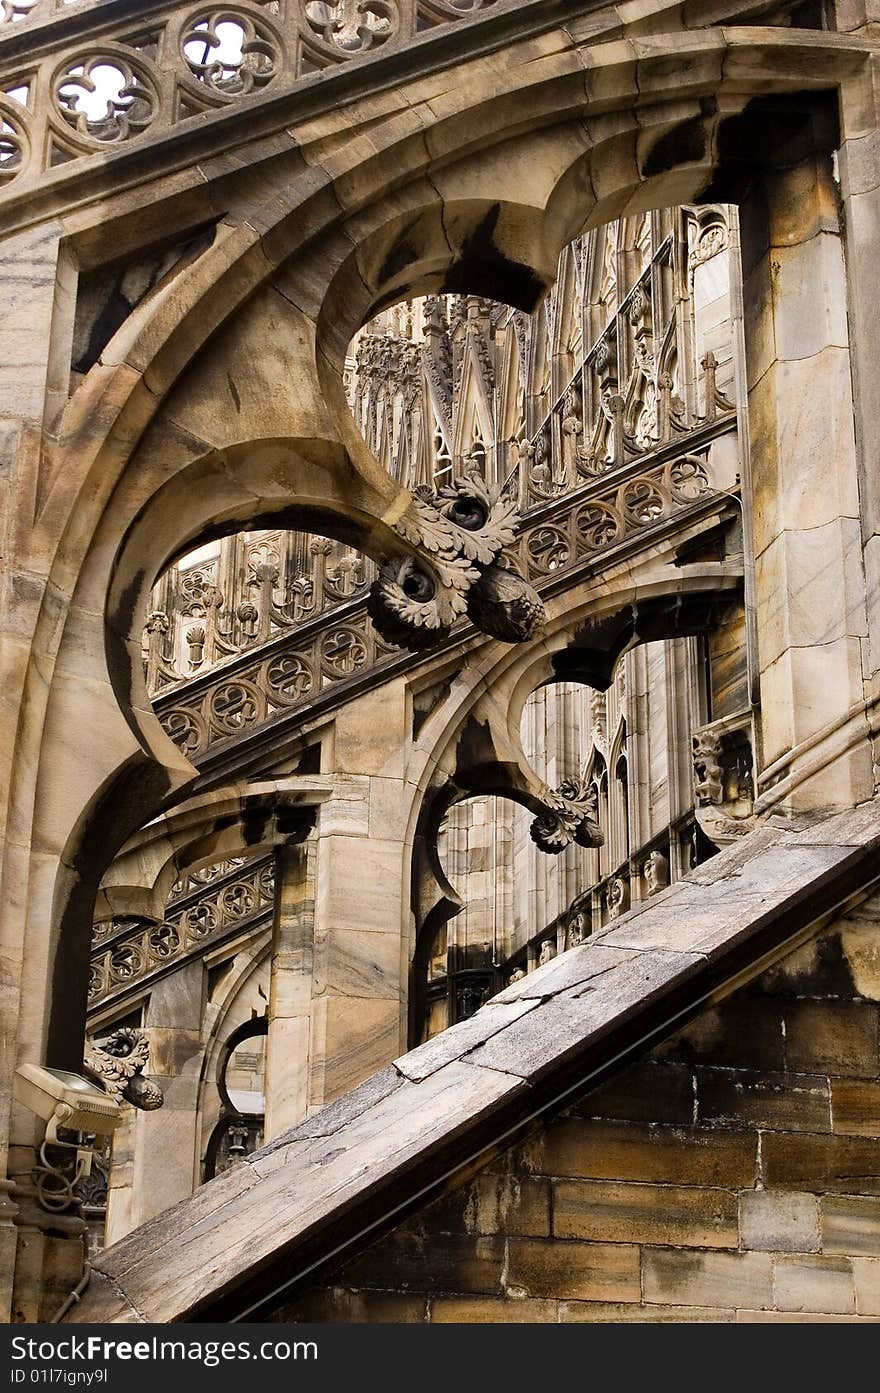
point(732, 1174)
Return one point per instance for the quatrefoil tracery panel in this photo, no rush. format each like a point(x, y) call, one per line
point(105, 97)
point(231, 52)
point(123, 85)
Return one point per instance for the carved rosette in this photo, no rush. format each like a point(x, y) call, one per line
point(571, 816)
point(118, 1064)
point(460, 531)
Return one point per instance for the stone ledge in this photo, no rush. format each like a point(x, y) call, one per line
point(334, 1182)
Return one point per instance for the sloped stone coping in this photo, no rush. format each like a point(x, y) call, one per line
point(336, 1180)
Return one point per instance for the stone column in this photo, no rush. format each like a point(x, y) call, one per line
point(362, 915)
point(290, 991)
point(860, 190)
point(38, 287)
point(155, 1154)
point(810, 583)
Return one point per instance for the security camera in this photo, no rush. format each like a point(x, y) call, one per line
point(65, 1100)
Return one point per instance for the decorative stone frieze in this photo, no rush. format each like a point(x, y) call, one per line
point(207, 906)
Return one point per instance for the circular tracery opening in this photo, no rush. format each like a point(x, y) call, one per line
point(231, 53)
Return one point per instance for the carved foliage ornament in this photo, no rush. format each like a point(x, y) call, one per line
point(118, 1064)
point(460, 529)
point(572, 816)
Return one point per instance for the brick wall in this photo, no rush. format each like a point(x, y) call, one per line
point(733, 1174)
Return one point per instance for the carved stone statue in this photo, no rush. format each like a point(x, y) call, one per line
point(656, 872)
point(618, 897)
point(580, 921)
point(117, 1064)
point(547, 953)
point(708, 774)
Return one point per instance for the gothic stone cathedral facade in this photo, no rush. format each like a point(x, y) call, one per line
point(441, 658)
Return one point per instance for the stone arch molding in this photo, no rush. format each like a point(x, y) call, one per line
point(590, 132)
point(471, 745)
point(242, 819)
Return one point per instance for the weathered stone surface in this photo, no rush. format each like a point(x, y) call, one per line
point(840, 1165)
point(329, 1119)
point(481, 1310)
point(648, 1091)
point(814, 1284)
point(746, 1033)
point(491, 1203)
point(597, 1312)
point(663, 1214)
point(338, 1306)
point(866, 1277)
point(664, 1155)
point(293, 1187)
point(579, 1271)
point(683, 1278)
point(461, 1039)
point(837, 1037)
point(148, 405)
point(856, 1106)
point(536, 1042)
point(569, 970)
point(771, 1220)
point(850, 1224)
point(108, 1303)
point(797, 1318)
point(407, 1261)
point(734, 1098)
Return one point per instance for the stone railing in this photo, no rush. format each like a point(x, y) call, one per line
point(601, 423)
point(215, 629)
point(213, 903)
point(78, 77)
point(585, 527)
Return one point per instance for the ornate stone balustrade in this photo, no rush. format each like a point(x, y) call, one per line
point(82, 76)
point(213, 903)
point(587, 526)
point(215, 629)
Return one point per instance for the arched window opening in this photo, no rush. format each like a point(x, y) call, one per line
point(241, 1085)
